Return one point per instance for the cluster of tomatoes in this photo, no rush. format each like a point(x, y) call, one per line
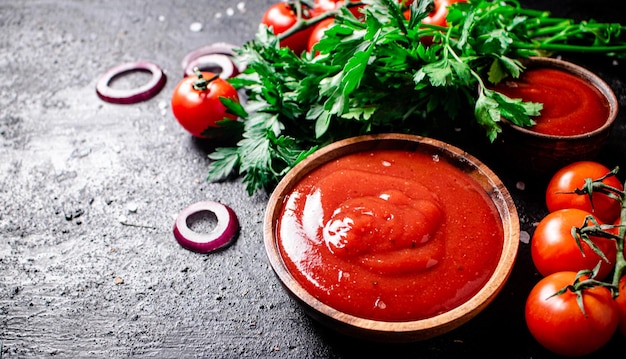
point(555, 314)
point(283, 16)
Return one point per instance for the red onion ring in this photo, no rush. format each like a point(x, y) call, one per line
point(145, 92)
point(215, 63)
point(221, 48)
point(218, 48)
point(222, 235)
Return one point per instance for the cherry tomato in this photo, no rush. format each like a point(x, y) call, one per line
point(557, 322)
point(318, 32)
point(438, 15)
point(198, 108)
point(559, 191)
point(281, 17)
point(554, 249)
point(322, 6)
point(621, 305)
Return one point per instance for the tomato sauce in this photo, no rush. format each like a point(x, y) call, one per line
point(571, 106)
point(390, 235)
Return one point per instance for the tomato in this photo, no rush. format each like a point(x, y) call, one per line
point(322, 6)
point(281, 17)
point(557, 322)
point(197, 109)
point(560, 187)
point(554, 249)
point(438, 15)
point(621, 305)
point(318, 32)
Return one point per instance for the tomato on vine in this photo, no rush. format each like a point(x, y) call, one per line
point(562, 187)
point(555, 249)
point(439, 13)
point(556, 320)
point(281, 17)
point(196, 102)
point(318, 32)
point(322, 6)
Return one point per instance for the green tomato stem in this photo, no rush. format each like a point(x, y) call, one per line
point(598, 186)
point(202, 84)
point(620, 261)
point(592, 228)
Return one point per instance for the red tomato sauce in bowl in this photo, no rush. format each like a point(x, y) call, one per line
point(571, 105)
point(578, 115)
point(390, 235)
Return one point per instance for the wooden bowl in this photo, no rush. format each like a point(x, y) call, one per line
point(543, 154)
point(396, 331)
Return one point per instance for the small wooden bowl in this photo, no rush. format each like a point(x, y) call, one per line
point(529, 151)
point(407, 331)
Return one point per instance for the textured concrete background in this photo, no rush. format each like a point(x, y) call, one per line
point(89, 192)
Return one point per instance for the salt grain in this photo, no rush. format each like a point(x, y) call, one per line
point(132, 207)
point(524, 237)
point(195, 27)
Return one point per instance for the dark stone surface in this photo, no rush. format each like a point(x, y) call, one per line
point(89, 192)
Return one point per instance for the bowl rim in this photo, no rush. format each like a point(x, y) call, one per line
point(587, 75)
point(452, 318)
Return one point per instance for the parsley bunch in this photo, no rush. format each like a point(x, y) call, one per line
point(384, 73)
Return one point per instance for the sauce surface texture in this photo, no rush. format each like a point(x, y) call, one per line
point(571, 106)
point(390, 235)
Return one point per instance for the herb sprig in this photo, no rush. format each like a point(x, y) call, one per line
point(376, 74)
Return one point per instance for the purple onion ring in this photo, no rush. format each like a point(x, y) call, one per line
point(220, 48)
point(145, 92)
point(223, 234)
point(215, 63)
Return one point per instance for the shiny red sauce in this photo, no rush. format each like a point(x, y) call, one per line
point(571, 105)
point(390, 235)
